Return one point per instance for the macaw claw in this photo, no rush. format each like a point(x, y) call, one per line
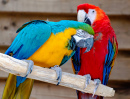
point(58, 72)
point(88, 79)
point(97, 82)
point(30, 66)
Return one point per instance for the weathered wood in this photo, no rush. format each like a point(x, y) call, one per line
point(10, 22)
point(19, 67)
point(120, 70)
point(116, 7)
point(121, 26)
point(43, 90)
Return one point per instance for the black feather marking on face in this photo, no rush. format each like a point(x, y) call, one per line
point(71, 44)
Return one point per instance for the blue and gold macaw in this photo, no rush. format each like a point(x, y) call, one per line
point(47, 44)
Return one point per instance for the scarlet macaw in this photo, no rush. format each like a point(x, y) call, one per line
point(98, 62)
point(47, 44)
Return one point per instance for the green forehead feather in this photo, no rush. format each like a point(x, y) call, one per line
point(88, 28)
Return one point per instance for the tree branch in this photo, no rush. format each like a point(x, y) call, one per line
point(19, 67)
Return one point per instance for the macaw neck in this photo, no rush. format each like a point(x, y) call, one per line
point(103, 27)
point(102, 30)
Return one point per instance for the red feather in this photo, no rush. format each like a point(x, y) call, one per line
point(93, 61)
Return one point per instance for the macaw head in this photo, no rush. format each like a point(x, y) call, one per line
point(91, 14)
point(83, 39)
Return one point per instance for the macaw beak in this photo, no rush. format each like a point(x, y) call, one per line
point(87, 20)
point(88, 44)
point(83, 17)
point(84, 40)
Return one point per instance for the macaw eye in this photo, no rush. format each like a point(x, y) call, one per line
point(93, 11)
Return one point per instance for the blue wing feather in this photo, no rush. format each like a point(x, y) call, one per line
point(108, 62)
point(29, 39)
point(31, 36)
point(76, 61)
point(66, 58)
point(27, 23)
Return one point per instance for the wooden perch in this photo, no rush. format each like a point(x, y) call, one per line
point(19, 67)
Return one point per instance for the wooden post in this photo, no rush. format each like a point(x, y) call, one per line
point(19, 67)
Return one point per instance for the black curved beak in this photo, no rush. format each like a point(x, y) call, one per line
point(87, 20)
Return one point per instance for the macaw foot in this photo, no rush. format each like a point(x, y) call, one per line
point(30, 66)
point(97, 82)
point(88, 79)
point(58, 72)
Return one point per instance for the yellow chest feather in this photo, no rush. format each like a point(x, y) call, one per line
point(53, 50)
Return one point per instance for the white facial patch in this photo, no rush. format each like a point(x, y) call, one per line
point(82, 35)
point(91, 15)
point(81, 15)
point(77, 38)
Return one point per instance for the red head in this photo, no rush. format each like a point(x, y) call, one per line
point(91, 14)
